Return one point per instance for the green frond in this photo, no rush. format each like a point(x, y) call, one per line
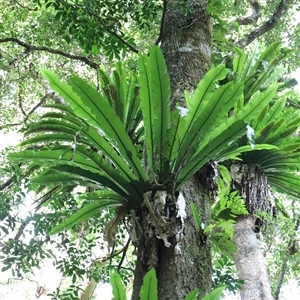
point(208, 150)
point(283, 182)
point(60, 179)
point(133, 113)
point(106, 198)
point(149, 287)
point(120, 83)
point(172, 146)
point(89, 105)
point(281, 161)
point(118, 288)
point(199, 109)
point(99, 179)
point(52, 125)
point(46, 138)
point(213, 112)
point(238, 61)
point(270, 115)
point(122, 94)
point(83, 159)
point(215, 146)
point(249, 64)
point(66, 117)
point(234, 154)
point(155, 105)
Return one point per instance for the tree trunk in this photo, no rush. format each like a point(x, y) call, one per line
point(186, 44)
point(250, 262)
point(252, 184)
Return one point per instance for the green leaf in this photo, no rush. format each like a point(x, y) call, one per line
point(285, 183)
point(171, 149)
point(88, 104)
point(270, 52)
point(224, 173)
point(60, 179)
point(200, 109)
point(215, 294)
point(52, 125)
point(248, 148)
point(120, 84)
point(107, 121)
point(238, 61)
point(5, 268)
point(155, 105)
point(133, 113)
point(257, 102)
point(66, 117)
point(280, 161)
point(111, 199)
point(212, 112)
point(250, 63)
point(193, 295)
point(149, 288)
point(86, 160)
point(211, 148)
point(103, 146)
point(96, 178)
point(45, 138)
point(118, 287)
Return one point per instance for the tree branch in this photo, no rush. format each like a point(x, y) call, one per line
point(9, 125)
point(7, 183)
point(32, 48)
point(280, 9)
point(251, 19)
point(41, 102)
point(28, 8)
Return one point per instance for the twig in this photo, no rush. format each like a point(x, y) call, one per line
point(20, 102)
point(9, 125)
point(26, 7)
point(113, 33)
point(8, 280)
point(50, 50)
point(124, 254)
point(162, 23)
point(7, 183)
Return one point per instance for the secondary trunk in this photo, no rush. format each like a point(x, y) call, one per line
point(186, 44)
point(250, 262)
point(251, 267)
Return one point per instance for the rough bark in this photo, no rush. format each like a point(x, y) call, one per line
point(186, 44)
